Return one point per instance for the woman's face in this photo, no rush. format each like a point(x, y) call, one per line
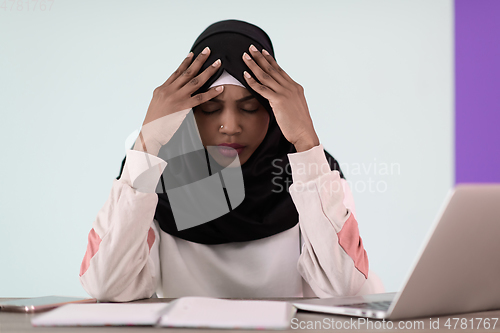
point(244, 121)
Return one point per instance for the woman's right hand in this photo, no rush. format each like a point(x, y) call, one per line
point(175, 95)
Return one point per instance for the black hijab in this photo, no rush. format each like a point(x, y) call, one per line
point(267, 208)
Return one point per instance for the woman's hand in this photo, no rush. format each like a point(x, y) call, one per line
point(285, 96)
point(173, 96)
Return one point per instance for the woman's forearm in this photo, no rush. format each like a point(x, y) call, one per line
point(333, 260)
point(117, 265)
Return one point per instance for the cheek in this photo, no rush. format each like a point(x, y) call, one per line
point(263, 125)
point(204, 125)
point(259, 128)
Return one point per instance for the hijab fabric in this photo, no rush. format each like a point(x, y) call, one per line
point(268, 208)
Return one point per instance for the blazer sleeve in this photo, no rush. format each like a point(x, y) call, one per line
point(121, 261)
point(333, 260)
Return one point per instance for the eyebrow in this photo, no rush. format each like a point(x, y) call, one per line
point(215, 99)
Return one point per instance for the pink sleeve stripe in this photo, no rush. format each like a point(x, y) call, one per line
point(353, 244)
point(151, 238)
point(92, 248)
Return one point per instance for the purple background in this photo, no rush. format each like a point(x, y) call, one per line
point(477, 91)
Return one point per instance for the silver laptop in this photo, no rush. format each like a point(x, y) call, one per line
point(457, 270)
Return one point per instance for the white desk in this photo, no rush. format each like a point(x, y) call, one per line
point(20, 322)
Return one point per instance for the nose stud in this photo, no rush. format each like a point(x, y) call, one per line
point(221, 126)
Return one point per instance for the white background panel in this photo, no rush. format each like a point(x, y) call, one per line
point(77, 79)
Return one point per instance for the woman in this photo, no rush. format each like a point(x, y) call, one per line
point(280, 240)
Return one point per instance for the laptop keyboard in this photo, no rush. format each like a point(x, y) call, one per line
point(383, 305)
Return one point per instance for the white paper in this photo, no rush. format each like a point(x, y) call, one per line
point(185, 312)
point(219, 313)
point(102, 314)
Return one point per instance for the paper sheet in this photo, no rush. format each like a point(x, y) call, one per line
point(102, 314)
point(185, 312)
point(220, 313)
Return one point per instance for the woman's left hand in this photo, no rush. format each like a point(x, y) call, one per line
point(285, 96)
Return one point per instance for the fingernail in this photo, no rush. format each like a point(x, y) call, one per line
point(219, 88)
point(246, 56)
point(205, 50)
point(216, 63)
point(190, 54)
point(247, 75)
point(265, 52)
point(253, 48)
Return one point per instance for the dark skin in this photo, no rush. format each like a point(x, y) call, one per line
point(244, 119)
point(285, 96)
point(173, 98)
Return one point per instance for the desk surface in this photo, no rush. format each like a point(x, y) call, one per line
point(21, 322)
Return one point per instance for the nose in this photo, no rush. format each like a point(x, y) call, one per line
point(230, 122)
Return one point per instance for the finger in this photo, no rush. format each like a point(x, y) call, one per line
point(262, 76)
point(204, 97)
point(275, 65)
point(183, 66)
point(266, 66)
point(193, 69)
point(196, 82)
point(265, 91)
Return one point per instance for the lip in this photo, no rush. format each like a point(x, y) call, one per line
point(228, 152)
point(232, 145)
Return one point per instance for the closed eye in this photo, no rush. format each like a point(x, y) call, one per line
point(250, 111)
point(209, 112)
